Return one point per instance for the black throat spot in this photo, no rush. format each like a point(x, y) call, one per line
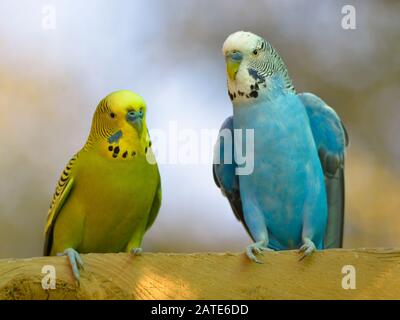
point(116, 151)
point(253, 94)
point(113, 150)
point(254, 88)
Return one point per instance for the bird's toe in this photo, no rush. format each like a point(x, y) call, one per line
point(75, 261)
point(136, 251)
point(307, 249)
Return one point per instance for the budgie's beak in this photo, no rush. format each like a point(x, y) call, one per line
point(135, 118)
point(233, 60)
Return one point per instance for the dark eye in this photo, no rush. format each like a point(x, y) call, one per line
point(255, 52)
point(112, 115)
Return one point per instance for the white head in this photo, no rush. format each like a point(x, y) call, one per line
point(251, 62)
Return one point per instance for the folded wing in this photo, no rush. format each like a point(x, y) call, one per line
point(224, 168)
point(331, 140)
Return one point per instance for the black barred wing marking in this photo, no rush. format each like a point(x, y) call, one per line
point(63, 189)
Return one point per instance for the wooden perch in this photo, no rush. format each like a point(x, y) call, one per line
point(208, 276)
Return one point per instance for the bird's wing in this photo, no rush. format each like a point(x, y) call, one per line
point(63, 190)
point(331, 139)
point(155, 206)
point(224, 173)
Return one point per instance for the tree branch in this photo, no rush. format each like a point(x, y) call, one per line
point(208, 276)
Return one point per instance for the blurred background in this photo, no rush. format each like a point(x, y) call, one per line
point(54, 72)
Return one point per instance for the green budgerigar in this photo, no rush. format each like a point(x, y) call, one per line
point(110, 192)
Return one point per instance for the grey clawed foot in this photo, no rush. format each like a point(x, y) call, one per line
point(136, 251)
point(75, 261)
point(307, 248)
point(256, 248)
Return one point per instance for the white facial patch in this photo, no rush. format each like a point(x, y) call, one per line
point(259, 65)
point(242, 41)
point(246, 85)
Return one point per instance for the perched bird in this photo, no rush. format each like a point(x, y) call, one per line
point(110, 192)
point(294, 196)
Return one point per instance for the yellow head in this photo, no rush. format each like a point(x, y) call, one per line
point(119, 126)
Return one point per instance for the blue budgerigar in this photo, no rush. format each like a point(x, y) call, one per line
point(293, 198)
